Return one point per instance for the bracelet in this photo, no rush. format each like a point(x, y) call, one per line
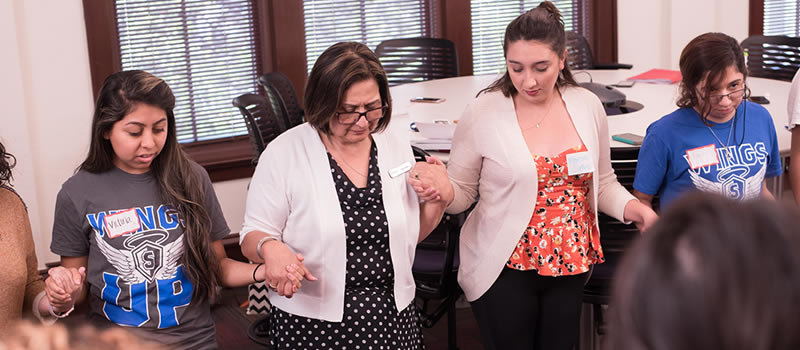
point(260, 243)
point(254, 272)
point(53, 312)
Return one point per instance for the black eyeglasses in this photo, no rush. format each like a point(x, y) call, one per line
point(372, 115)
point(733, 95)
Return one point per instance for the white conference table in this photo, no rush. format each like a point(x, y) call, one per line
point(658, 100)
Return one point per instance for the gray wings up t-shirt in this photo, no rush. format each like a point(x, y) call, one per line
point(134, 244)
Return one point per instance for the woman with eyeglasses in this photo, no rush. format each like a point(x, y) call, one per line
point(717, 141)
point(332, 204)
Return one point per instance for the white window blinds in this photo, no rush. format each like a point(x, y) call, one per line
point(489, 21)
point(367, 21)
point(782, 17)
point(204, 49)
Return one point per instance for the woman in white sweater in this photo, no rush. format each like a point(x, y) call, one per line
point(533, 150)
point(332, 204)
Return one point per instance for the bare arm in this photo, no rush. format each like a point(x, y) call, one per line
point(646, 199)
point(794, 164)
point(236, 273)
point(765, 193)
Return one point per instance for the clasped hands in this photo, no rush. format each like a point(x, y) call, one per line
point(63, 287)
point(284, 270)
point(430, 182)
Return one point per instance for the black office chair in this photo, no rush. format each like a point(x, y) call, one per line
point(283, 97)
point(773, 57)
point(263, 125)
point(417, 59)
point(435, 270)
point(579, 55)
point(615, 237)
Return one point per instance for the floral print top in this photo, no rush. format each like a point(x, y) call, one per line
point(561, 238)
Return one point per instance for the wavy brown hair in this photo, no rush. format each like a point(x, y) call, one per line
point(704, 60)
point(335, 71)
point(544, 24)
point(178, 182)
point(712, 273)
point(7, 162)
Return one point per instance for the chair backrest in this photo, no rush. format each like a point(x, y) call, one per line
point(773, 57)
point(579, 53)
point(417, 59)
point(281, 92)
point(614, 235)
point(263, 125)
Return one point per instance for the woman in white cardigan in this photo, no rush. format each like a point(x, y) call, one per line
point(333, 215)
point(533, 150)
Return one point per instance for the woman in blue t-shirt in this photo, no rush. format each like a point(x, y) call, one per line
point(716, 141)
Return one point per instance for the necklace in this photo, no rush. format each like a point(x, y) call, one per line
point(728, 153)
point(539, 123)
point(348, 165)
point(337, 159)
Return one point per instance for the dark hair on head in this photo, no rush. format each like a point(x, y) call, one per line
point(711, 273)
point(178, 182)
point(336, 70)
point(544, 24)
point(704, 60)
point(7, 162)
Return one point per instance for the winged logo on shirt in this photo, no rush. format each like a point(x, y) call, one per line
point(732, 182)
point(146, 259)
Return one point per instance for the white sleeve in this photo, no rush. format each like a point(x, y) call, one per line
point(464, 164)
point(267, 206)
point(794, 101)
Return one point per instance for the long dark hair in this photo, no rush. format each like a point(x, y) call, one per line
point(712, 273)
point(335, 71)
point(178, 182)
point(545, 24)
point(707, 57)
point(7, 162)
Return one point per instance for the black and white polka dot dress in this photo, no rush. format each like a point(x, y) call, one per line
point(370, 320)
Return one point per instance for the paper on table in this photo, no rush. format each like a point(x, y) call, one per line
point(436, 130)
point(658, 76)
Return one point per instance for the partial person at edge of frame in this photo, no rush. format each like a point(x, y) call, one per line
point(793, 109)
point(533, 150)
point(716, 141)
point(145, 222)
point(712, 273)
point(21, 286)
point(28, 336)
point(338, 197)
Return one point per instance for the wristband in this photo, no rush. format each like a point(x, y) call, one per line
point(54, 314)
point(254, 272)
point(260, 243)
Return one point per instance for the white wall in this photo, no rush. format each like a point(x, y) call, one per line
point(47, 99)
point(652, 33)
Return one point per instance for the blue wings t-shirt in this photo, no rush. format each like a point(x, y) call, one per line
point(746, 155)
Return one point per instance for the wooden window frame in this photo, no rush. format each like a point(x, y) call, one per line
point(280, 35)
point(756, 22)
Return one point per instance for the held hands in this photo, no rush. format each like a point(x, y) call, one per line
point(64, 286)
point(430, 181)
point(641, 215)
point(283, 270)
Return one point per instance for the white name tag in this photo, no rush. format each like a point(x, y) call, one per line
point(702, 156)
point(400, 170)
point(579, 163)
point(122, 222)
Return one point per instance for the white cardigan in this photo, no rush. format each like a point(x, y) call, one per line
point(292, 196)
point(490, 160)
